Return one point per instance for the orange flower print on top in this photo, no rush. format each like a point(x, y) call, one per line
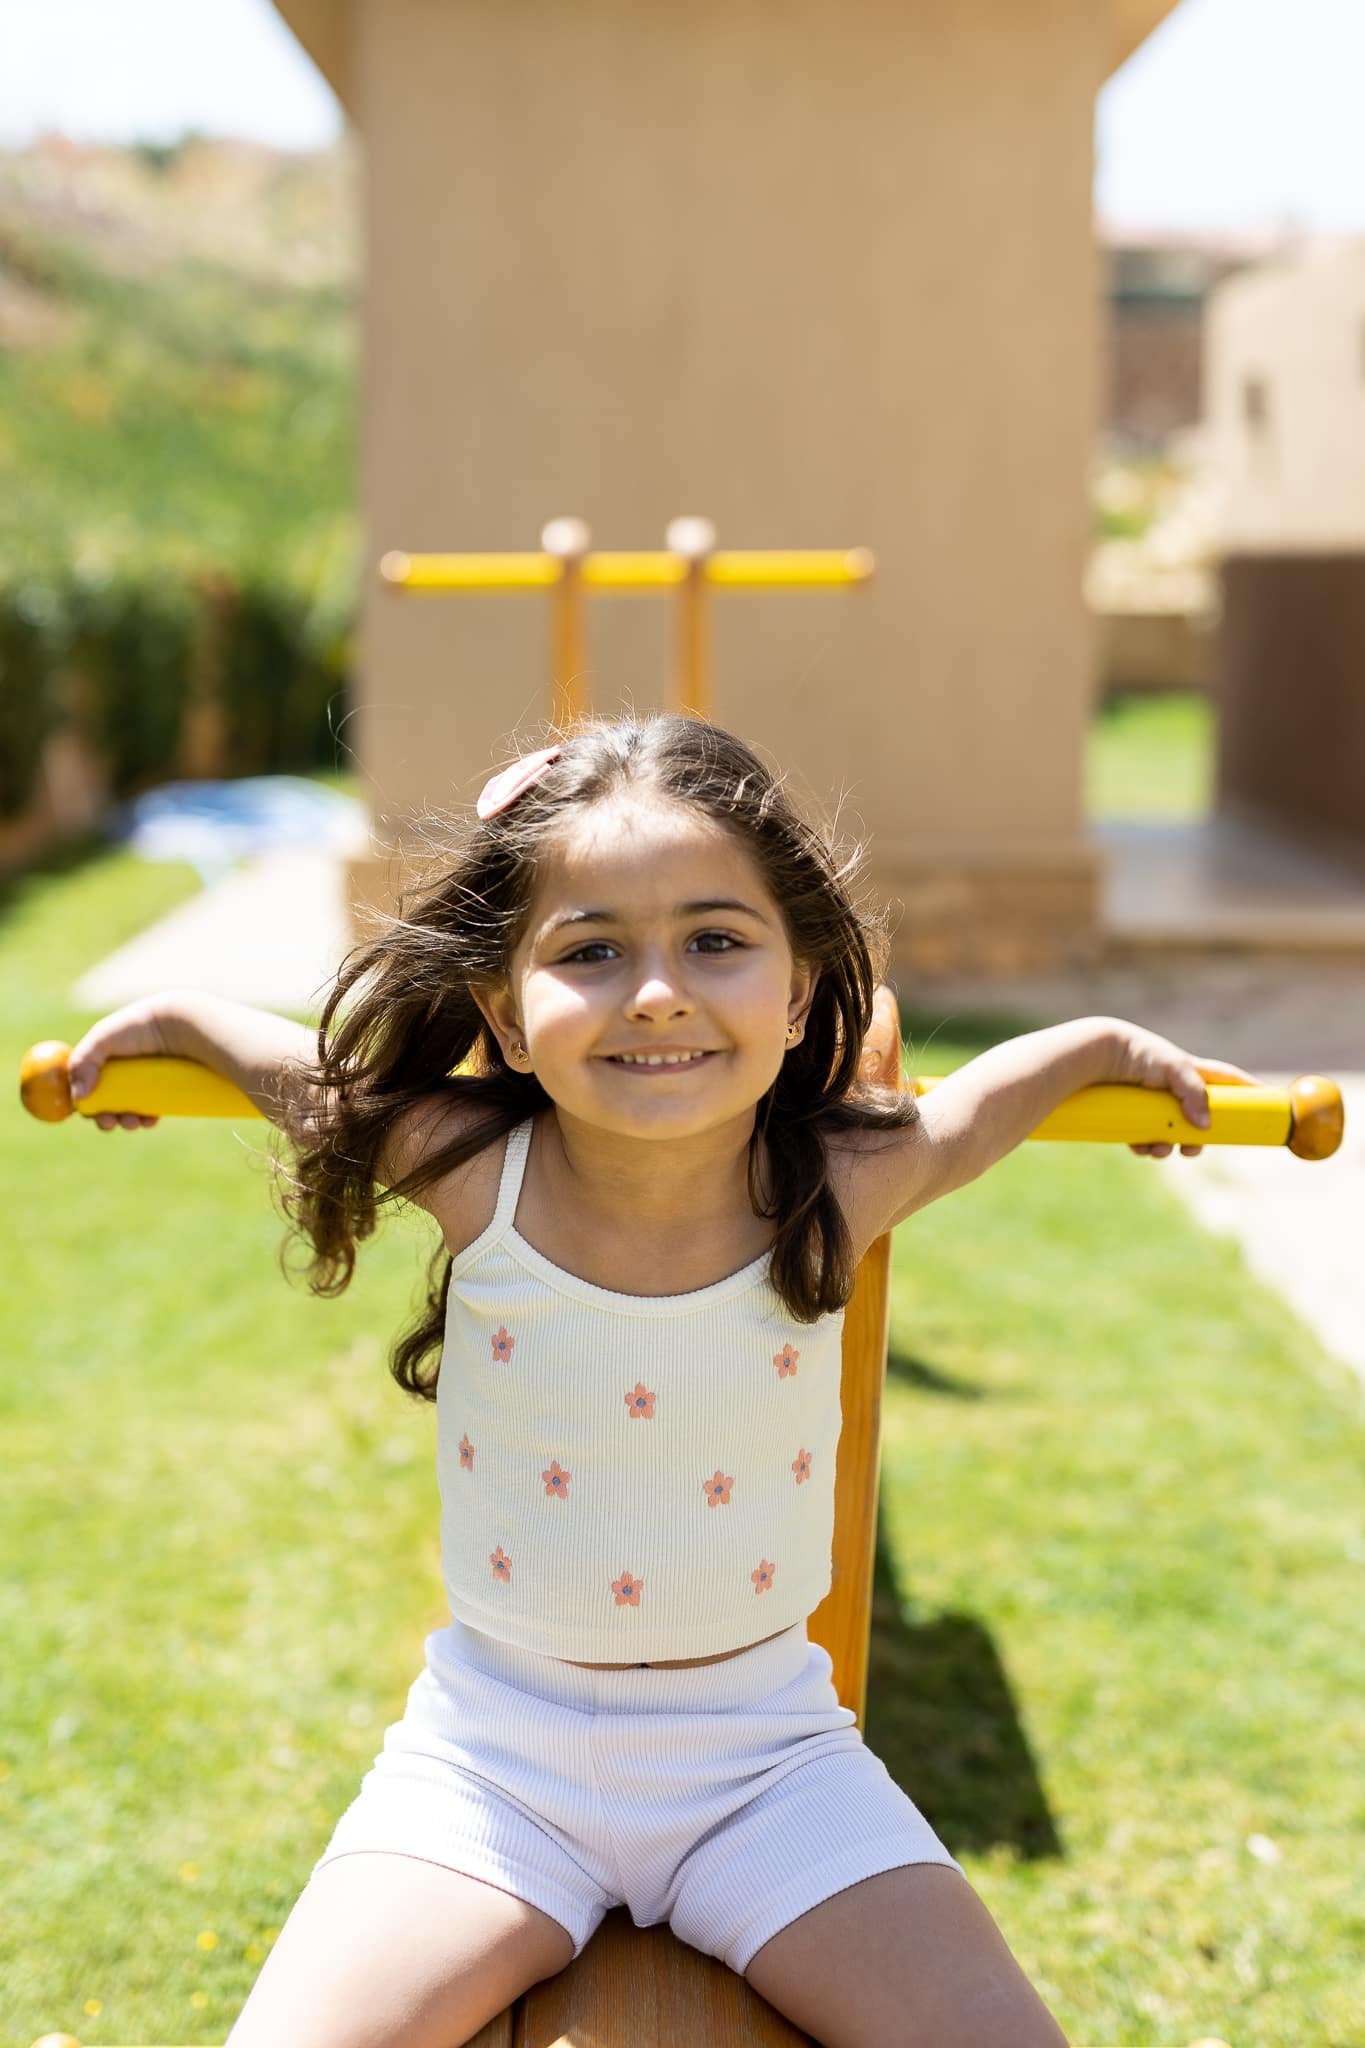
point(502, 1565)
point(640, 1402)
point(717, 1490)
point(466, 1454)
point(557, 1480)
point(627, 1590)
point(502, 1347)
point(785, 1361)
point(801, 1466)
point(763, 1577)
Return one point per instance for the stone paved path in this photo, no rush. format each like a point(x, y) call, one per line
point(272, 932)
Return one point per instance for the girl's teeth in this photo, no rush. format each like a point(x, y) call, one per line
point(658, 1059)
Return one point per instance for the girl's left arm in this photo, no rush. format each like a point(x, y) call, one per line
point(981, 1112)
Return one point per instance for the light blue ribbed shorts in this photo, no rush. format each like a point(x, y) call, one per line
point(727, 1799)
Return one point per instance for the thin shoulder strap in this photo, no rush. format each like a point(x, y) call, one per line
point(513, 1169)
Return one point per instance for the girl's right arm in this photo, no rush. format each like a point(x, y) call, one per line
point(251, 1047)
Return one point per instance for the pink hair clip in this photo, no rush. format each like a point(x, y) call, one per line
point(506, 786)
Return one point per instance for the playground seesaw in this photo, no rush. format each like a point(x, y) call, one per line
point(641, 1987)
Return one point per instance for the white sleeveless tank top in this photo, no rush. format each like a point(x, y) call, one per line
point(628, 1478)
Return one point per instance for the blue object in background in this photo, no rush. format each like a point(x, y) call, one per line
point(213, 825)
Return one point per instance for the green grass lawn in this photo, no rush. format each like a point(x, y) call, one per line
point(1116, 1656)
point(186, 408)
point(1151, 757)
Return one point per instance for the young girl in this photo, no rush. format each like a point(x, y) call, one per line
point(653, 1180)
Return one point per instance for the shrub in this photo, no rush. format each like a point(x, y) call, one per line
point(143, 642)
point(30, 696)
point(133, 639)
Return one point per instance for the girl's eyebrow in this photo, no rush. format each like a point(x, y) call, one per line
point(683, 910)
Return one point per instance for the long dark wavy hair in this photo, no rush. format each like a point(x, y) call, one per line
point(401, 1017)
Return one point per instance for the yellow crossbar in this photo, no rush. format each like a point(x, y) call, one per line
point(635, 569)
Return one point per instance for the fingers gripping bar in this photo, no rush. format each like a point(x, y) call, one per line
point(1307, 1116)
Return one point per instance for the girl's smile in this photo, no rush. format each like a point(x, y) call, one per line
point(659, 1062)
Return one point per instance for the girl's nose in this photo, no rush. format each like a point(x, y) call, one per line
point(658, 994)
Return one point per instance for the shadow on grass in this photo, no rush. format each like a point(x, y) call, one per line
point(942, 1718)
point(916, 1372)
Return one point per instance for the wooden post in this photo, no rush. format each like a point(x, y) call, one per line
point(567, 540)
point(842, 1623)
point(694, 541)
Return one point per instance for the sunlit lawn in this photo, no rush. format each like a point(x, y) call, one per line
point(1116, 1652)
point(1151, 756)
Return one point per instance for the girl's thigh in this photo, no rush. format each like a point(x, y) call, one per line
point(385, 1951)
point(911, 1956)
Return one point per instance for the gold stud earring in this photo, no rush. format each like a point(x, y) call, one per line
point(519, 1051)
point(793, 1034)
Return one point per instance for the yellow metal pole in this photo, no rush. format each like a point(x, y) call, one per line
point(693, 541)
point(566, 542)
point(1308, 1116)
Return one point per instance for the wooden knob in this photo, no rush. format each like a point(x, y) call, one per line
point(693, 539)
point(567, 539)
point(45, 1091)
point(1319, 1117)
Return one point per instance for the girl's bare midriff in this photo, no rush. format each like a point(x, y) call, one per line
point(673, 1663)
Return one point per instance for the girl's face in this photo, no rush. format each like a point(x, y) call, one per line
point(655, 982)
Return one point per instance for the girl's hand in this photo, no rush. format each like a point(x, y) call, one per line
point(139, 1028)
point(1141, 1057)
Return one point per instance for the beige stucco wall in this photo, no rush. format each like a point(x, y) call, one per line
point(1285, 402)
point(825, 275)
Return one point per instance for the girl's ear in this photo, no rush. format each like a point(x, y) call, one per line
point(499, 1012)
point(804, 978)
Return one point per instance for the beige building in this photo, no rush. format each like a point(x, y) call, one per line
point(1285, 401)
point(1157, 289)
point(826, 275)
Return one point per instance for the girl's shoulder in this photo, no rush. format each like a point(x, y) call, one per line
point(879, 1177)
point(463, 1198)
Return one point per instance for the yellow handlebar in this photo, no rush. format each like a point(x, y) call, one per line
point(156, 1085)
point(1307, 1116)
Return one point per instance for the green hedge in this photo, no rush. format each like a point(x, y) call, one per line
point(31, 645)
point(286, 668)
point(121, 655)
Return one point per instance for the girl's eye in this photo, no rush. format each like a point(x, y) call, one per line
point(595, 951)
point(594, 946)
